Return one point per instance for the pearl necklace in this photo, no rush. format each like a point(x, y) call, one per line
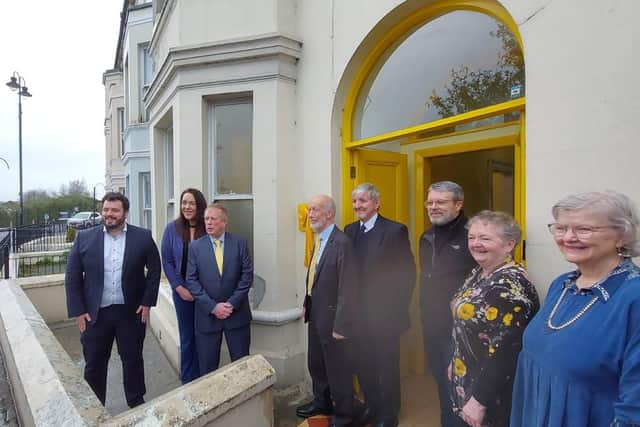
point(582, 311)
point(574, 318)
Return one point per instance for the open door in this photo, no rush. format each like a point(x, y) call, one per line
point(386, 170)
point(389, 173)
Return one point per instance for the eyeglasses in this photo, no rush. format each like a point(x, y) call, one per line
point(430, 203)
point(581, 231)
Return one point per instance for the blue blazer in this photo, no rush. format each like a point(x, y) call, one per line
point(84, 279)
point(171, 249)
point(209, 288)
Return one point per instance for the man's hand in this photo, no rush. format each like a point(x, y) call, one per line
point(82, 320)
point(143, 311)
point(473, 413)
point(184, 293)
point(337, 336)
point(223, 310)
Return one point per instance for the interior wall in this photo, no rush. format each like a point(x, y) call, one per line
point(472, 171)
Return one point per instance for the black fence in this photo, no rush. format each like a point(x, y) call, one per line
point(40, 265)
point(5, 248)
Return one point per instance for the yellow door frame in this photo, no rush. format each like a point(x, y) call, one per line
point(445, 149)
point(488, 7)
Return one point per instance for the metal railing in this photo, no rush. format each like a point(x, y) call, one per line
point(39, 237)
point(40, 265)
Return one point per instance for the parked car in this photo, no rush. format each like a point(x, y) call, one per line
point(85, 220)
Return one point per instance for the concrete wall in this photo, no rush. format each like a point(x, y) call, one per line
point(49, 389)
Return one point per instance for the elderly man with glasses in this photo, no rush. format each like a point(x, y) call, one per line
point(444, 263)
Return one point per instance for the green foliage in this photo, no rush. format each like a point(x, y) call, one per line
point(472, 89)
point(71, 234)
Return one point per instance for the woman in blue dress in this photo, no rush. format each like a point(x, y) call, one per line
point(175, 245)
point(580, 362)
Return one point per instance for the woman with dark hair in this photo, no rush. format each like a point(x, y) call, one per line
point(177, 235)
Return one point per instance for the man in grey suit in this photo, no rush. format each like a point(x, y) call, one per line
point(219, 276)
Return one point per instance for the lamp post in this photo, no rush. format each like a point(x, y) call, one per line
point(17, 83)
point(94, 196)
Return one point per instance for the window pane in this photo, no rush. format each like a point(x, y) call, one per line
point(232, 138)
point(146, 189)
point(169, 164)
point(240, 218)
point(456, 63)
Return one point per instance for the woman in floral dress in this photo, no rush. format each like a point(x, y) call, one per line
point(490, 312)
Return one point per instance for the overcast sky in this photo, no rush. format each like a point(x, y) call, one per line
point(61, 49)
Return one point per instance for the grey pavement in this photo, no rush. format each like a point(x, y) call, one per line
point(160, 377)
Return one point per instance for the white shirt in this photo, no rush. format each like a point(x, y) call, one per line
point(370, 223)
point(113, 260)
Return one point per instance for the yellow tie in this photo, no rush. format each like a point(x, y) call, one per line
point(312, 264)
point(219, 255)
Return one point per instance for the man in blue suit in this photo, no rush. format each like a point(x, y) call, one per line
point(110, 294)
point(219, 276)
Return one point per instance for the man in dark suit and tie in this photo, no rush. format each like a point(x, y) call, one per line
point(219, 276)
point(110, 294)
point(386, 275)
point(329, 309)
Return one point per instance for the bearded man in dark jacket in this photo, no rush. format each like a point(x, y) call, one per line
point(444, 264)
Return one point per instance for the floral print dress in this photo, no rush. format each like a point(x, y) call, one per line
point(489, 317)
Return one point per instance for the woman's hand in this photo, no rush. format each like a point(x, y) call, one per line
point(450, 372)
point(184, 293)
point(473, 413)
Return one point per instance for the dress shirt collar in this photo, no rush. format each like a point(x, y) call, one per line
point(370, 223)
point(324, 234)
point(606, 287)
point(213, 239)
point(124, 230)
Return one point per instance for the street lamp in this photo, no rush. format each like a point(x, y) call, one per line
point(94, 196)
point(17, 83)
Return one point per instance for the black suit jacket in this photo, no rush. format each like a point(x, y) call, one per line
point(331, 306)
point(387, 275)
point(84, 279)
point(209, 288)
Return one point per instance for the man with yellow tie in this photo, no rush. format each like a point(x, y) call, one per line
point(219, 276)
point(331, 293)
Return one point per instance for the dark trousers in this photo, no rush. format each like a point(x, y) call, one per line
point(123, 324)
point(379, 374)
point(438, 351)
point(331, 372)
point(209, 344)
point(189, 367)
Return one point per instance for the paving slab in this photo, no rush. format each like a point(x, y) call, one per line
point(160, 377)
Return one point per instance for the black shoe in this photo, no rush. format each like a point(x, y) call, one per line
point(364, 417)
point(312, 408)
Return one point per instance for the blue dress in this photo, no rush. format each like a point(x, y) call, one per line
point(587, 372)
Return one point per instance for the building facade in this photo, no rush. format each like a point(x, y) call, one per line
point(264, 103)
point(134, 65)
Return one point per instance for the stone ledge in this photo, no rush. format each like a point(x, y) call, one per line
point(48, 389)
point(209, 398)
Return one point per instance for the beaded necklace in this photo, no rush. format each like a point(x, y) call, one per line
point(582, 311)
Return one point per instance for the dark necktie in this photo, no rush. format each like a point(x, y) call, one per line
point(363, 229)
